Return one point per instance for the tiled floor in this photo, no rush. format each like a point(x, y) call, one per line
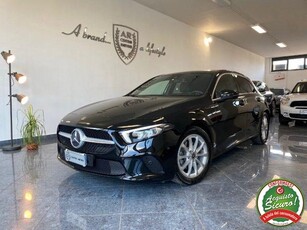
point(54, 196)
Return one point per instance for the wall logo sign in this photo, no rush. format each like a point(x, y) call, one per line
point(85, 35)
point(125, 39)
point(280, 203)
point(150, 49)
point(279, 76)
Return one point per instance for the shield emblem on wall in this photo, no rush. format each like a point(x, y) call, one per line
point(126, 42)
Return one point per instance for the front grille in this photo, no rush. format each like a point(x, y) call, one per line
point(92, 148)
point(88, 147)
point(95, 133)
point(298, 116)
point(298, 103)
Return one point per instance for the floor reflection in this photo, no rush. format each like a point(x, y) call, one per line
point(38, 192)
point(33, 165)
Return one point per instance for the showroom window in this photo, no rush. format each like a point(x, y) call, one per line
point(296, 63)
point(279, 65)
point(289, 63)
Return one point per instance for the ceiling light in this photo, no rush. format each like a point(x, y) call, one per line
point(258, 29)
point(281, 45)
point(8, 57)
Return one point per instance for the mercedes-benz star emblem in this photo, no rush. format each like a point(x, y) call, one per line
point(77, 138)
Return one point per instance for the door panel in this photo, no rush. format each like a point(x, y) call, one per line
point(231, 122)
point(251, 108)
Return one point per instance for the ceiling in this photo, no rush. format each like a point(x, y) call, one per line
point(230, 20)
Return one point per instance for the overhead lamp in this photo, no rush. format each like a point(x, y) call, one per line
point(20, 78)
point(207, 40)
point(8, 57)
point(258, 29)
point(281, 44)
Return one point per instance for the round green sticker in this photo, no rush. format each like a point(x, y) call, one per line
point(280, 203)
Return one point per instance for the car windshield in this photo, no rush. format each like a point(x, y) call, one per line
point(187, 84)
point(300, 87)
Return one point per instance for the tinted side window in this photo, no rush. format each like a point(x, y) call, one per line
point(226, 82)
point(244, 85)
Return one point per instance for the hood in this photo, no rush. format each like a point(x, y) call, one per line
point(122, 111)
point(297, 96)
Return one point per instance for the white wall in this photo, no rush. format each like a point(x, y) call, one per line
point(282, 79)
point(66, 72)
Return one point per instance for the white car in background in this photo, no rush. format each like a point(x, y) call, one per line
point(294, 105)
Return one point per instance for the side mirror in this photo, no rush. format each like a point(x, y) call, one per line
point(287, 91)
point(227, 94)
point(261, 89)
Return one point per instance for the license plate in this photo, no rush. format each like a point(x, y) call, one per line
point(74, 157)
point(304, 144)
point(304, 111)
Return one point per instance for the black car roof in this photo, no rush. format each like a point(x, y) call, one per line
point(214, 72)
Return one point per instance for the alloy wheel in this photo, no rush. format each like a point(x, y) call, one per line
point(264, 127)
point(193, 156)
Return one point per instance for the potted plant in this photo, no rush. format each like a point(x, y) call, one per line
point(32, 128)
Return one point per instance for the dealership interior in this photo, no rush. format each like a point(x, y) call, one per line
point(59, 56)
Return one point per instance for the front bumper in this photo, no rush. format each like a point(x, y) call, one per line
point(294, 113)
point(150, 159)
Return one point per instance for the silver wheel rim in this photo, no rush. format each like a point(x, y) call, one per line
point(264, 127)
point(192, 156)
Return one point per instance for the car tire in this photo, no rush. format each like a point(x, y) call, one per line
point(283, 120)
point(273, 108)
point(263, 131)
point(193, 156)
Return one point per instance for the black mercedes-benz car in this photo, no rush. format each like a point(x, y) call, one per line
point(172, 125)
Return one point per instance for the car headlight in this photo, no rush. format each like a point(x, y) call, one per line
point(143, 133)
point(284, 100)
